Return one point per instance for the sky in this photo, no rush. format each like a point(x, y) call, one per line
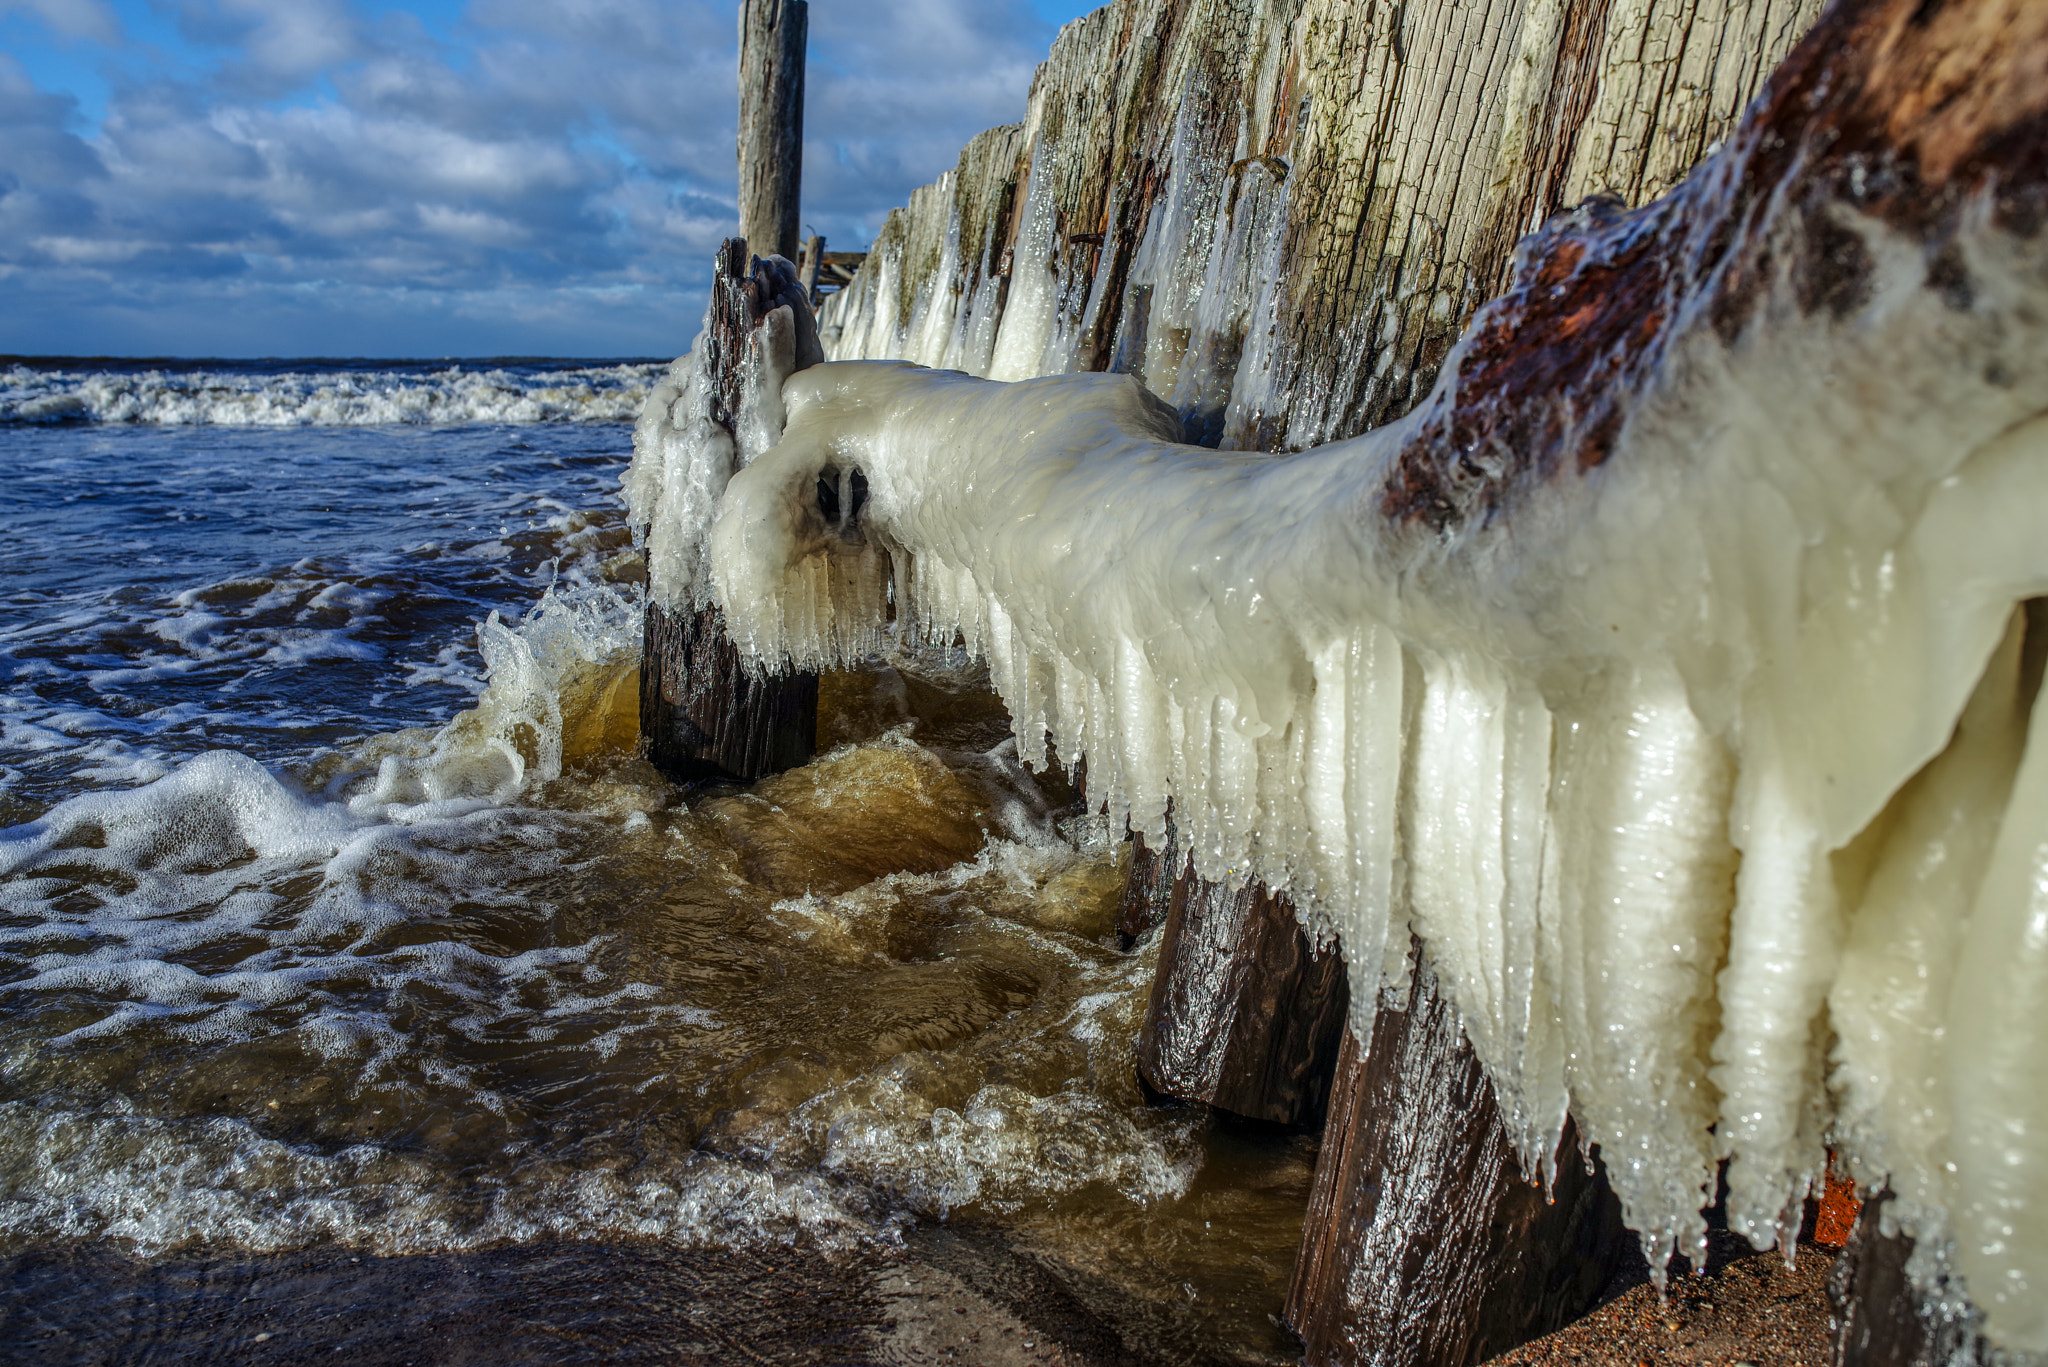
point(450, 178)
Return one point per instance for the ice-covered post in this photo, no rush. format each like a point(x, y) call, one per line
point(704, 712)
point(1894, 167)
point(771, 142)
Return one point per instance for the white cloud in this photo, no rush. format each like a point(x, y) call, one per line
point(91, 20)
point(561, 167)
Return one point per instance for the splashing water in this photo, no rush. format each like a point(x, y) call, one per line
point(336, 907)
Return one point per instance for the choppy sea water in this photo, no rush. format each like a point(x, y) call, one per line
point(336, 908)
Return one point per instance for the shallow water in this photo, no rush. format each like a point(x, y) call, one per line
point(312, 936)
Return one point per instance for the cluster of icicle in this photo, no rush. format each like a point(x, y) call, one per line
point(1206, 269)
point(1706, 777)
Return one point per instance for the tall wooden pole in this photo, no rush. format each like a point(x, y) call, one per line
point(772, 38)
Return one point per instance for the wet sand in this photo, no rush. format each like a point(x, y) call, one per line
point(949, 1296)
point(1748, 1307)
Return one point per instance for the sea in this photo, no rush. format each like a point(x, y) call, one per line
point(339, 912)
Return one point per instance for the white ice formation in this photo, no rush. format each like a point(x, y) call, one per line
point(683, 456)
point(1705, 772)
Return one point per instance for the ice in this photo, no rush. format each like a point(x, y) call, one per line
point(1614, 753)
point(683, 455)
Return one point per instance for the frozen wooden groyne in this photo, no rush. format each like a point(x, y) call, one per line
point(1633, 659)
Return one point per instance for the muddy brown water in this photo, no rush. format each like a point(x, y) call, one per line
point(619, 1070)
point(834, 1068)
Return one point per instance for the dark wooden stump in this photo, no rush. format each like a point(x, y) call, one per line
point(706, 713)
point(1148, 893)
point(1246, 1015)
point(1425, 1246)
point(706, 716)
point(1882, 1319)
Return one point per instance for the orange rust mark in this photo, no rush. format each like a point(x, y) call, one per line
point(1838, 1210)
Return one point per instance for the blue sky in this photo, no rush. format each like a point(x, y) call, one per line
point(459, 177)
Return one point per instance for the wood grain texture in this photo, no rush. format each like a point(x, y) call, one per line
point(706, 714)
point(1424, 1245)
point(773, 36)
point(1246, 1014)
point(1404, 146)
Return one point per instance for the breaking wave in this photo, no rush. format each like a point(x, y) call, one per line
point(318, 394)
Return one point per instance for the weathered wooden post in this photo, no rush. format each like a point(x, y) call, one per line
point(1903, 113)
point(771, 142)
point(1425, 1244)
point(704, 712)
point(1246, 1014)
point(807, 274)
point(1415, 1203)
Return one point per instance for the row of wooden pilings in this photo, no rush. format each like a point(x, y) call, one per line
point(1424, 1244)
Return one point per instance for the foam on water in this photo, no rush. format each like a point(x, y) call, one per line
point(439, 986)
point(155, 1185)
point(230, 394)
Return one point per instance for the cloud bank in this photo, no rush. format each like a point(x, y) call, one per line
point(328, 177)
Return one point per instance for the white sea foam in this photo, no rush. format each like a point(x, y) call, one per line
point(107, 889)
point(272, 397)
point(158, 1184)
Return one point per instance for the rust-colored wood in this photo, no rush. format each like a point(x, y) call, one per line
point(1246, 1014)
point(1832, 1218)
point(1550, 372)
point(1425, 1245)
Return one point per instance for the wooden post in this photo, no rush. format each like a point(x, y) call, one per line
point(814, 258)
point(1882, 1319)
point(1425, 1244)
point(771, 143)
point(705, 713)
point(1246, 1014)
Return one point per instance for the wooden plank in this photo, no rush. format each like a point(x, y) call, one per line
point(807, 275)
